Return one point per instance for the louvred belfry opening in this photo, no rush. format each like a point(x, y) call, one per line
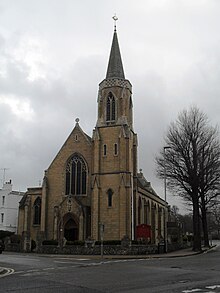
point(110, 108)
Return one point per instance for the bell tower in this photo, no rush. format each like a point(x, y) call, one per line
point(115, 153)
point(114, 97)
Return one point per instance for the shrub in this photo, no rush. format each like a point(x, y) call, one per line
point(33, 244)
point(174, 239)
point(4, 234)
point(190, 238)
point(76, 242)
point(15, 238)
point(216, 236)
point(185, 239)
point(109, 242)
point(50, 242)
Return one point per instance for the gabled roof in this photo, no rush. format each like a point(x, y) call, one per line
point(31, 190)
point(115, 67)
point(23, 200)
point(77, 127)
point(144, 184)
point(87, 137)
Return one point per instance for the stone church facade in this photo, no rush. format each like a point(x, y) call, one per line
point(93, 181)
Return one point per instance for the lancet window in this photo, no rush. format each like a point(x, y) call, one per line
point(110, 194)
point(37, 211)
point(110, 108)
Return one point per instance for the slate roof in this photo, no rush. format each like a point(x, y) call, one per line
point(23, 200)
point(144, 184)
point(115, 67)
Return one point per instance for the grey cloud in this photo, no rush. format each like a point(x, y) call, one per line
point(170, 55)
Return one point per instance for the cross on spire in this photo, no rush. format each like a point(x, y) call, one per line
point(115, 19)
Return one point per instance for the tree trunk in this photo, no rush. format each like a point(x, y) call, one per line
point(196, 225)
point(204, 225)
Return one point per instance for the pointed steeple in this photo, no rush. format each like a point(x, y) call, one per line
point(115, 67)
point(115, 92)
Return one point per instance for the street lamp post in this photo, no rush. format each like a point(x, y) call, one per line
point(165, 199)
point(102, 227)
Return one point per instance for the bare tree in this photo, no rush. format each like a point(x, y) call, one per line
point(174, 212)
point(215, 218)
point(192, 163)
point(186, 221)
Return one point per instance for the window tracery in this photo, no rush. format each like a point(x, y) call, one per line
point(76, 176)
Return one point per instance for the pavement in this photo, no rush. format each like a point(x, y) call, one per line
point(178, 253)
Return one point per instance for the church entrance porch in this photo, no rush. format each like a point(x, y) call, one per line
point(69, 227)
point(71, 230)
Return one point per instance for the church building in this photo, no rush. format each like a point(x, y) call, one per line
point(93, 183)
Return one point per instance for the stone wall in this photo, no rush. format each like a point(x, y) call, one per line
point(96, 250)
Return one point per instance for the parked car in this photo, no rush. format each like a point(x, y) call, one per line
point(2, 246)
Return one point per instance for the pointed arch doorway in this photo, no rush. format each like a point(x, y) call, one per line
point(71, 229)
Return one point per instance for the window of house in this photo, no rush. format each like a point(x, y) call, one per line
point(3, 200)
point(115, 149)
point(76, 176)
point(110, 194)
point(104, 150)
point(2, 218)
point(37, 211)
point(110, 108)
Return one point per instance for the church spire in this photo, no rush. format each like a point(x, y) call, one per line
point(115, 67)
point(114, 97)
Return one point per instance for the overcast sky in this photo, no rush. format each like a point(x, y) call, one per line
point(54, 53)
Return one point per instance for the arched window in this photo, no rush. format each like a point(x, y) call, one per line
point(110, 194)
point(76, 176)
point(110, 108)
point(37, 211)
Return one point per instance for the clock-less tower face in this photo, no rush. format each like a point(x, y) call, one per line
point(114, 152)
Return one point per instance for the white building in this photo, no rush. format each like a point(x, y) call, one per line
point(9, 204)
